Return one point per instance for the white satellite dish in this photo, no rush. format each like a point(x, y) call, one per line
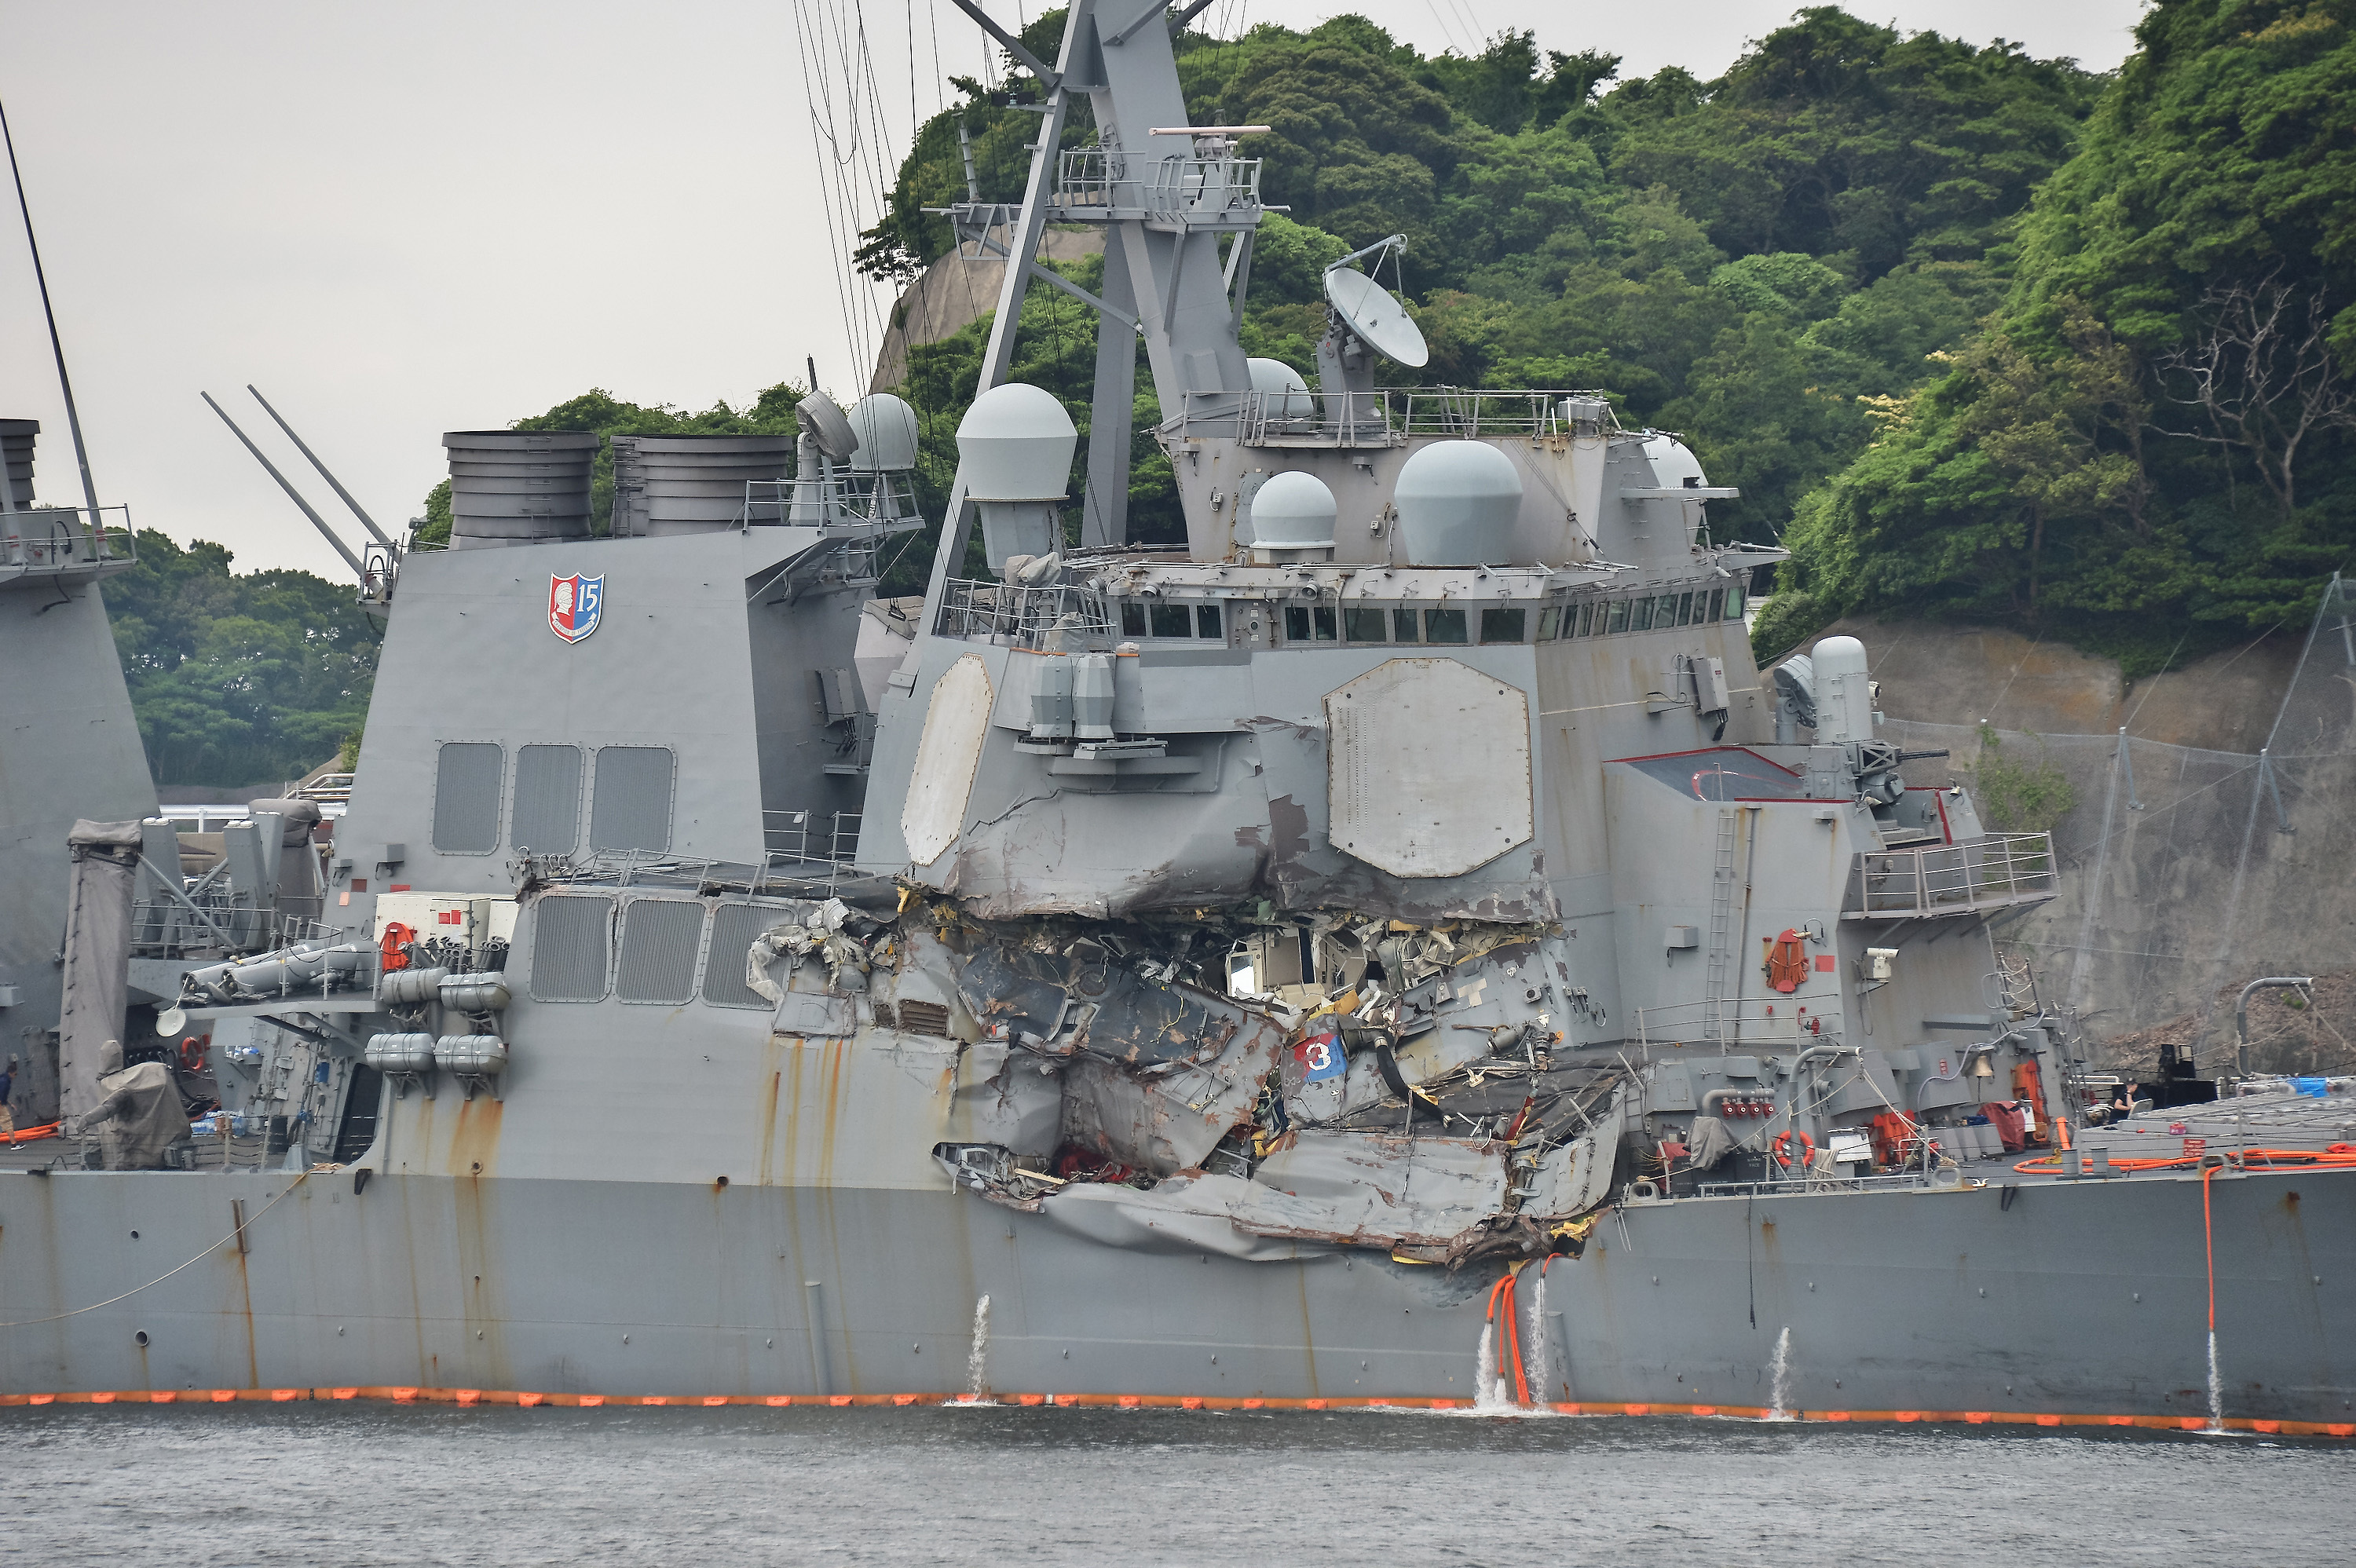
point(171, 1021)
point(1368, 309)
point(828, 427)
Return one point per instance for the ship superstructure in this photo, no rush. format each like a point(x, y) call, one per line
point(1204, 971)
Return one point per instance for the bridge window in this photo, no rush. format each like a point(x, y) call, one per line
point(1443, 626)
point(1503, 625)
point(1361, 624)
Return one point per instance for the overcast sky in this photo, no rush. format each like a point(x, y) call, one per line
point(399, 220)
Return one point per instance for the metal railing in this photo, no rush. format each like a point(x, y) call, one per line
point(1019, 617)
point(212, 918)
point(1390, 417)
point(1994, 872)
point(862, 502)
point(50, 539)
point(808, 837)
point(1776, 1020)
point(1814, 1182)
point(380, 572)
point(1171, 189)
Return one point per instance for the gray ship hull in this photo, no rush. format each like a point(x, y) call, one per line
point(2075, 1298)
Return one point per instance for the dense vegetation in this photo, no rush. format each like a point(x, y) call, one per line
point(1752, 261)
point(238, 680)
point(2146, 447)
point(1977, 334)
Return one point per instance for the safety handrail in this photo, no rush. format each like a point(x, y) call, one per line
point(1991, 872)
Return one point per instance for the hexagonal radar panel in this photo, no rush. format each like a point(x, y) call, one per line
point(1429, 769)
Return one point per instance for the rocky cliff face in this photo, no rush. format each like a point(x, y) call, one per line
point(2216, 844)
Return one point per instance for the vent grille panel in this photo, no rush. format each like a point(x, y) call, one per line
point(925, 1018)
point(547, 816)
point(733, 927)
point(570, 950)
point(660, 937)
point(631, 806)
point(467, 778)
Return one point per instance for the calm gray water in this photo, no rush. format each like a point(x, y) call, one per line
point(382, 1485)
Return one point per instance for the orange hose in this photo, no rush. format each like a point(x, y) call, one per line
point(2209, 1244)
point(2337, 1155)
point(1508, 1344)
point(32, 1135)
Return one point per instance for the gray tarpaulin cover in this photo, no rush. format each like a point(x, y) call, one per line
point(139, 1116)
point(98, 956)
point(1708, 1143)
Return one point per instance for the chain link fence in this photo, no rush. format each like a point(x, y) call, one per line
point(2184, 873)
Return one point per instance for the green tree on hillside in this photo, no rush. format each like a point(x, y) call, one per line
point(238, 680)
point(2149, 447)
point(1744, 259)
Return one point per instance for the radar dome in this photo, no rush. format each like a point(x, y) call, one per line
point(1293, 511)
point(1844, 690)
point(1283, 394)
point(886, 429)
point(1457, 501)
point(1015, 443)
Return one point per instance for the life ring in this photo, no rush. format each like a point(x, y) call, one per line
point(396, 937)
point(1783, 1144)
point(192, 1053)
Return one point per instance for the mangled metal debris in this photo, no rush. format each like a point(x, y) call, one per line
point(1263, 1090)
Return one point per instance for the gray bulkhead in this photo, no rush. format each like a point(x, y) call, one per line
point(699, 673)
point(69, 748)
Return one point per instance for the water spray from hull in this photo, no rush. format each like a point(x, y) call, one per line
point(977, 1359)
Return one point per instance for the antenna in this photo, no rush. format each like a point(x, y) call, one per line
point(357, 509)
point(317, 521)
point(828, 429)
point(1369, 310)
point(65, 384)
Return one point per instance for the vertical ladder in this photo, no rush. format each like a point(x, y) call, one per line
point(1722, 931)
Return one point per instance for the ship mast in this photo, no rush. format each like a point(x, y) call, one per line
point(56, 345)
point(1166, 193)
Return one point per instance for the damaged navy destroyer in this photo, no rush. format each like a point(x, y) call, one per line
point(1394, 947)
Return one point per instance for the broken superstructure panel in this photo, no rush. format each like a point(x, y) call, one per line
point(1262, 1087)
